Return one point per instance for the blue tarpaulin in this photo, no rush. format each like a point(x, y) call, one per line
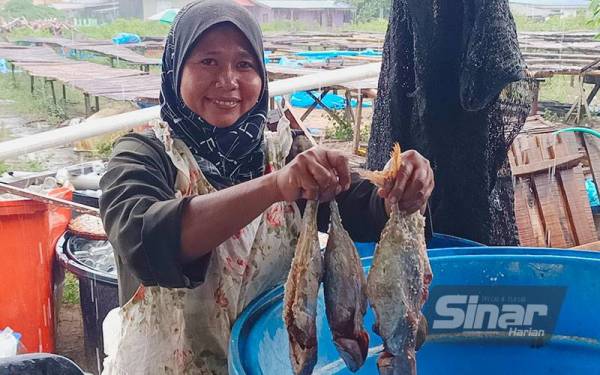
point(126, 38)
point(334, 54)
point(3, 66)
point(303, 100)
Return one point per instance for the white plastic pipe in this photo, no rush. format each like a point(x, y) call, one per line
point(324, 79)
point(129, 120)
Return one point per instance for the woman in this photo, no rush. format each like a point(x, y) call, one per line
point(198, 227)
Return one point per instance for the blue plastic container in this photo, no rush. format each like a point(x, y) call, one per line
point(259, 343)
point(437, 241)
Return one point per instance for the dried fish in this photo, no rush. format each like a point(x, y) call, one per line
point(301, 290)
point(397, 285)
point(345, 289)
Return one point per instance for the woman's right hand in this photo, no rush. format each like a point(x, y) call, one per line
point(317, 173)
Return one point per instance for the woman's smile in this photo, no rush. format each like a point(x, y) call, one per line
point(224, 103)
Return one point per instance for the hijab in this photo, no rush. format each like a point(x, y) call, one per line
point(230, 155)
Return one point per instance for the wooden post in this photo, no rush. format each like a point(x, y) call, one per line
point(97, 103)
point(327, 109)
point(348, 114)
point(536, 96)
point(32, 80)
point(593, 93)
point(86, 102)
point(51, 81)
point(314, 105)
point(357, 123)
point(64, 93)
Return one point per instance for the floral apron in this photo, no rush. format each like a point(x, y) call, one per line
point(186, 331)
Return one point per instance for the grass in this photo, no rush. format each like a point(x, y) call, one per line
point(25, 32)
point(122, 25)
point(581, 22)
point(373, 26)
point(4, 167)
point(71, 289)
point(101, 32)
point(40, 105)
point(155, 28)
point(25, 8)
point(31, 165)
point(37, 106)
point(559, 89)
point(285, 26)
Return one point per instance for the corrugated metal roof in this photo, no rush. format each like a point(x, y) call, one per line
point(306, 4)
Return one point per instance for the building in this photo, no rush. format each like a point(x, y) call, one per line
point(324, 13)
point(542, 9)
point(146, 8)
point(98, 10)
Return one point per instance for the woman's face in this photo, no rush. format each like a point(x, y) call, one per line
point(221, 80)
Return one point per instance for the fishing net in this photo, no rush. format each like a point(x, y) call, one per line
point(453, 87)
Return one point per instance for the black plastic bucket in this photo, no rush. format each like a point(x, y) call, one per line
point(98, 292)
point(38, 364)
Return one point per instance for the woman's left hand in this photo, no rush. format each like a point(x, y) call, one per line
point(413, 185)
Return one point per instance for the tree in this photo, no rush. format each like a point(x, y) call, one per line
point(367, 10)
point(595, 9)
point(25, 8)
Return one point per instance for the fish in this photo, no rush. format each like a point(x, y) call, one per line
point(301, 293)
point(345, 290)
point(398, 283)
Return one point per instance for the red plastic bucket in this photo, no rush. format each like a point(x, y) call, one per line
point(28, 233)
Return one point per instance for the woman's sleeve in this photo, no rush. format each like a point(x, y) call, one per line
point(142, 216)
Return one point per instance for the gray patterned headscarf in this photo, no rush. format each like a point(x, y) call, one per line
point(234, 154)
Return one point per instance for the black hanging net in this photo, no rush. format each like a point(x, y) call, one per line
point(453, 87)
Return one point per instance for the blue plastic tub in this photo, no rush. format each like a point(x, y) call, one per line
point(437, 241)
point(259, 343)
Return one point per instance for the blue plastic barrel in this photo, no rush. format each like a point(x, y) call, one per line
point(437, 241)
point(259, 342)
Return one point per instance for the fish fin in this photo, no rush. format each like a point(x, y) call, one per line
point(379, 178)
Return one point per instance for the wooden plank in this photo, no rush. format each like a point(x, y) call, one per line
point(546, 166)
point(523, 219)
point(511, 156)
point(545, 190)
point(573, 192)
point(592, 146)
point(561, 147)
point(588, 246)
point(579, 210)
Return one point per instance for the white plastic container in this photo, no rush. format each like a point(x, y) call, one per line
point(111, 330)
point(8, 343)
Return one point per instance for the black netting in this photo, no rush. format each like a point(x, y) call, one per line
point(452, 87)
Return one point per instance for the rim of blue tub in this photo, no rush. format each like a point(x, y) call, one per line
point(266, 299)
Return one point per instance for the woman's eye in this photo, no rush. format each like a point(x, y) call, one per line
point(245, 65)
point(208, 62)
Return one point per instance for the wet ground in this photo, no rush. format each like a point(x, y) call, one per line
point(13, 126)
point(69, 337)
